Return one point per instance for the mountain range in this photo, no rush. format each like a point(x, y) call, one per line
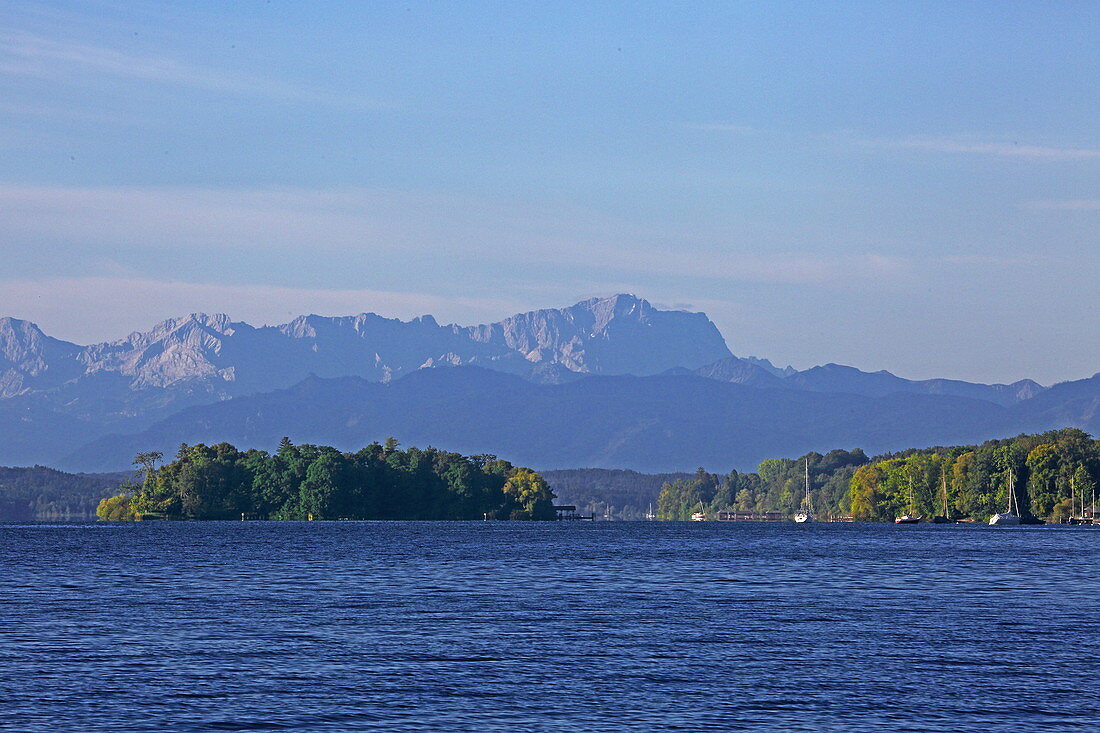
point(608, 382)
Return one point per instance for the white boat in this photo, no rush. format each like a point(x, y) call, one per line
point(699, 516)
point(1010, 517)
point(806, 513)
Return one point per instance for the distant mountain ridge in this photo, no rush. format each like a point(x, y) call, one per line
point(838, 378)
point(615, 335)
point(56, 396)
point(653, 424)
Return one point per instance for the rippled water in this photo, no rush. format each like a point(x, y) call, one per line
point(559, 626)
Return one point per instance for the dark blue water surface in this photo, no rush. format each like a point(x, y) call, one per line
point(560, 626)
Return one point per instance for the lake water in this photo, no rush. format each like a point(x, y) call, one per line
point(560, 626)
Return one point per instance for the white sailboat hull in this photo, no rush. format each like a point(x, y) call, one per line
point(1005, 519)
point(803, 517)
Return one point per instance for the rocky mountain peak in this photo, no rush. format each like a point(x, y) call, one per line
point(619, 334)
point(30, 359)
point(19, 339)
point(1025, 389)
point(195, 323)
point(602, 311)
point(174, 350)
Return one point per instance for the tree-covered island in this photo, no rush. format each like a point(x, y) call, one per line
point(381, 481)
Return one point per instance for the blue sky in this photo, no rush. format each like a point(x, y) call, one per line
point(902, 186)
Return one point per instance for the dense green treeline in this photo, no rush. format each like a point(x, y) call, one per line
point(1054, 475)
point(778, 485)
point(381, 481)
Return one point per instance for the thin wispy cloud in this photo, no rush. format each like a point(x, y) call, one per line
point(28, 55)
point(777, 268)
point(997, 148)
point(1002, 148)
point(982, 260)
point(54, 112)
point(407, 226)
point(1070, 205)
point(729, 127)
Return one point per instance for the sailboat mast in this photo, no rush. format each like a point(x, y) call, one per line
point(944, 477)
point(809, 501)
point(1073, 498)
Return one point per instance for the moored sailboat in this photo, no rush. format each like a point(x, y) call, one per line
point(806, 513)
point(1078, 514)
point(910, 517)
point(1010, 517)
point(944, 518)
point(1074, 517)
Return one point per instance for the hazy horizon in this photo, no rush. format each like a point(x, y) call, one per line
point(901, 187)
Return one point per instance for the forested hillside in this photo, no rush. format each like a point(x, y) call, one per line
point(1053, 474)
point(614, 493)
point(659, 424)
point(40, 493)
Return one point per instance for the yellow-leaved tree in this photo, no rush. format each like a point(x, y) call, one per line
point(115, 508)
point(531, 493)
